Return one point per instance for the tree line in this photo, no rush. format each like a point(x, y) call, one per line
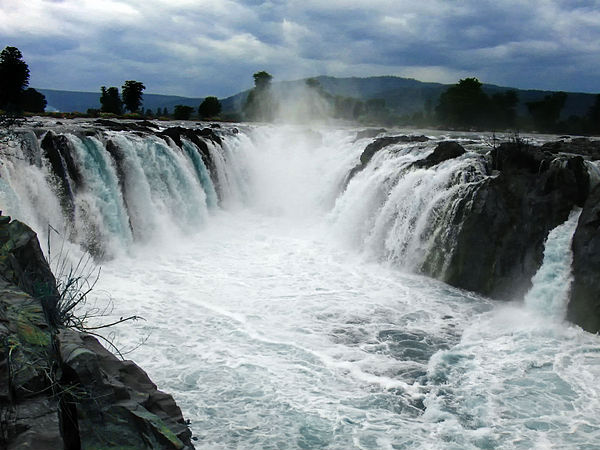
point(131, 99)
point(464, 106)
point(16, 98)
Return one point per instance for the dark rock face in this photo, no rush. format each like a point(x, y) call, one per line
point(197, 138)
point(58, 152)
point(59, 388)
point(505, 221)
point(118, 405)
point(580, 146)
point(584, 305)
point(444, 151)
point(376, 146)
point(369, 133)
point(383, 142)
point(22, 262)
point(143, 126)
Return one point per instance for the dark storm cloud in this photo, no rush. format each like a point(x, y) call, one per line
point(204, 47)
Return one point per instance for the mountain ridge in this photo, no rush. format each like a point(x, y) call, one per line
point(402, 95)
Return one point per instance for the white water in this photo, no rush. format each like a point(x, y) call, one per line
point(281, 323)
point(550, 291)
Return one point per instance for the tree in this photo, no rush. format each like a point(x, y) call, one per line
point(259, 103)
point(593, 117)
point(182, 112)
point(262, 80)
point(210, 107)
point(546, 112)
point(14, 78)
point(463, 105)
point(33, 101)
point(110, 100)
point(503, 112)
point(132, 95)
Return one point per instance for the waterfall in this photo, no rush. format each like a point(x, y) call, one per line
point(106, 190)
point(397, 212)
point(550, 291)
point(265, 261)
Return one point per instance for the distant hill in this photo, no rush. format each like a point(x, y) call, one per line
point(407, 96)
point(402, 95)
point(69, 101)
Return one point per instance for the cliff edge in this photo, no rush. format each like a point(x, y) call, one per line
point(59, 388)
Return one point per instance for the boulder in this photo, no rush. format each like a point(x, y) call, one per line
point(117, 405)
point(369, 133)
point(584, 304)
point(444, 151)
point(22, 262)
point(377, 145)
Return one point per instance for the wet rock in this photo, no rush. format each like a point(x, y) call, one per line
point(369, 133)
point(22, 262)
point(502, 224)
point(144, 126)
point(383, 142)
point(197, 137)
point(444, 151)
point(580, 146)
point(584, 305)
point(58, 152)
point(377, 145)
point(118, 405)
point(60, 388)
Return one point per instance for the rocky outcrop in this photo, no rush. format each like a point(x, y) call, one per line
point(579, 146)
point(584, 305)
point(377, 145)
point(444, 151)
point(59, 388)
point(369, 133)
point(57, 150)
point(503, 223)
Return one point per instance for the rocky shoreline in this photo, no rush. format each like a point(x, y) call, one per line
point(59, 388)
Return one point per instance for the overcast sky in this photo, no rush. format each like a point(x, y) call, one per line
point(212, 47)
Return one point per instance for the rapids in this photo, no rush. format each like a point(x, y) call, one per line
point(283, 309)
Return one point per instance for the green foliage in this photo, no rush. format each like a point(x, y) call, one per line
point(313, 83)
point(110, 100)
point(132, 94)
point(463, 105)
point(262, 80)
point(260, 103)
point(210, 107)
point(546, 112)
point(182, 112)
point(14, 78)
point(33, 101)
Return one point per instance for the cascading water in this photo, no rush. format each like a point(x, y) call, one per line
point(551, 283)
point(275, 323)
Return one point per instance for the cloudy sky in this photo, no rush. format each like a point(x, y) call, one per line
point(212, 47)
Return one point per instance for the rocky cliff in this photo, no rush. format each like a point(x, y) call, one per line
point(59, 388)
point(500, 225)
